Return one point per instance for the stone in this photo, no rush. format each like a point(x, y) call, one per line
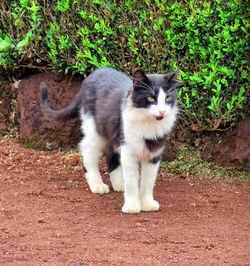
point(231, 148)
point(4, 112)
point(37, 131)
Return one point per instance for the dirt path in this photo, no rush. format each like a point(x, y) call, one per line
point(49, 217)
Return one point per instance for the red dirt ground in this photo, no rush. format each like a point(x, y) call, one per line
point(49, 217)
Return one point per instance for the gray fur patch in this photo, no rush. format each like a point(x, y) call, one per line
point(102, 94)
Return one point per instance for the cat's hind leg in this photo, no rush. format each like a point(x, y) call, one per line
point(115, 171)
point(91, 147)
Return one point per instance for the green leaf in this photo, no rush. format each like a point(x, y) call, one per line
point(99, 2)
point(24, 3)
point(244, 74)
point(229, 107)
point(63, 5)
point(4, 45)
point(24, 42)
point(244, 30)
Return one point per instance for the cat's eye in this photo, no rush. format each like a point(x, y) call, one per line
point(168, 99)
point(151, 99)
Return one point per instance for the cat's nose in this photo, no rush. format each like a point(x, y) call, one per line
point(162, 113)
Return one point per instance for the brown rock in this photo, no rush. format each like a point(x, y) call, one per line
point(231, 148)
point(241, 137)
point(235, 147)
point(36, 131)
point(169, 155)
point(4, 113)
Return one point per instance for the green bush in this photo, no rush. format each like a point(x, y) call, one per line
point(206, 40)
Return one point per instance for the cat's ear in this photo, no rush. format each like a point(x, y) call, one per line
point(140, 78)
point(172, 77)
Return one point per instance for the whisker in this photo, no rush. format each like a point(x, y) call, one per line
point(145, 86)
point(173, 87)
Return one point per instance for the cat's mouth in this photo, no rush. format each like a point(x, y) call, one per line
point(159, 118)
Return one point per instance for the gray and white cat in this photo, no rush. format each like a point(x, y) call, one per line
point(129, 119)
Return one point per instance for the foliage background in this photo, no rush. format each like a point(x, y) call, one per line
point(206, 40)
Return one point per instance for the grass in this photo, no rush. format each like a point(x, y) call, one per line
point(190, 163)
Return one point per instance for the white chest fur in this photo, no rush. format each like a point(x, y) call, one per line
point(139, 125)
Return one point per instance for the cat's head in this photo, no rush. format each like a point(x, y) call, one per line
point(155, 92)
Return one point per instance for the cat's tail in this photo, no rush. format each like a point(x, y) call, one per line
point(68, 112)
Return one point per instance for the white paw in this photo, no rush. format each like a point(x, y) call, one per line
point(132, 207)
point(118, 186)
point(150, 205)
point(99, 188)
point(116, 179)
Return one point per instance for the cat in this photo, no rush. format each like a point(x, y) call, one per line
point(129, 119)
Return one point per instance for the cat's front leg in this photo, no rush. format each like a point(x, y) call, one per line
point(148, 176)
point(130, 171)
